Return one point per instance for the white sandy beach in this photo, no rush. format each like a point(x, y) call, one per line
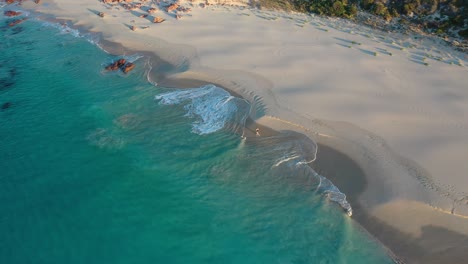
point(396, 104)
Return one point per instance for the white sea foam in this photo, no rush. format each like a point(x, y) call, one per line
point(66, 30)
point(334, 194)
point(294, 160)
point(212, 107)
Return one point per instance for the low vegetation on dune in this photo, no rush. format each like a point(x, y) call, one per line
point(438, 16)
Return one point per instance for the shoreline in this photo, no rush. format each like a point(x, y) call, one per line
point(366, 215)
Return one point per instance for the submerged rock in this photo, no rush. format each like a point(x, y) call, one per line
point(6, 105)
point(116, 65)
point(128, 67)
point(16, 22)
point(103, 138)
point(11, 13)
point(121, 64)
point(128, 121)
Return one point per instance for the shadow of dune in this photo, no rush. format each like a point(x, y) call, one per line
point(394, 47)
point(96, 12)
point(322, 29)
point(368, 52)
point(345, 40)
point(383, 51)
point(142, 15)
point(343, 45)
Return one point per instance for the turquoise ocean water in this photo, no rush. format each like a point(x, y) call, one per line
point(102, 167)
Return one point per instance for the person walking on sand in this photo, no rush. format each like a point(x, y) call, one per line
point(257, 132)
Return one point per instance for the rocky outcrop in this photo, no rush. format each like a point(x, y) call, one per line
point(11, 13)
point(121, 64)
point(128, 67)
point(172, 7)
point(158, 20)
point(16, 22)
point(116, 65)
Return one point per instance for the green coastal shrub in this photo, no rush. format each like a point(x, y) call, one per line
point(367, 4)
point(456, 10)
point(463, 33)
point(337, 8)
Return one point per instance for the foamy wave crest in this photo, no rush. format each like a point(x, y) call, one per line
point(324, 186)
point(212, 107)
point(65, 29)
point(297, 152)
point(333, 193)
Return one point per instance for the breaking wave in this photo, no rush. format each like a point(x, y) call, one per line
point(296, 153)
point(212, 108)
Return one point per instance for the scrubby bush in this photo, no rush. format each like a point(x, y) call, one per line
point(338, 8)
point(463, 33)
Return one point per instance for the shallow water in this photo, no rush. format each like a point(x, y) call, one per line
point(95, 170)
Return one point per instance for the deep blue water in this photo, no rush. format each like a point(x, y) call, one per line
point(95, 169)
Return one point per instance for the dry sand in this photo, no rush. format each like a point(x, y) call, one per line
point(393, 107)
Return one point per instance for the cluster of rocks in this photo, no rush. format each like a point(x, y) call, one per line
point(11, 13)
point(121, 64)
point(170, 7)
point(114, 1)
point(131, 6)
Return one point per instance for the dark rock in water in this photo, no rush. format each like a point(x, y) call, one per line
point(17, 30)
point(10, 13)
point(128, 67)
point(112, 67)
point(6, 105)
point(121, 62)
point(5, 84)
point(16, 22)
point(116, 65)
